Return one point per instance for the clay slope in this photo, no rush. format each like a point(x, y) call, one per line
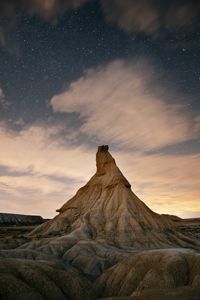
point(41, 280)
point(106, 210)
point(175, 271)
point(184, 293)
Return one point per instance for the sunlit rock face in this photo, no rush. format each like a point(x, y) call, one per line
point(107, 210)
point(105, 242)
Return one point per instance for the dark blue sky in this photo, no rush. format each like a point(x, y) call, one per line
point(41, 57)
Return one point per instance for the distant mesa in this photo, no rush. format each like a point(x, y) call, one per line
point(18, 219)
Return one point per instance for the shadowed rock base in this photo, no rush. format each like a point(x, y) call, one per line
point(184, 293)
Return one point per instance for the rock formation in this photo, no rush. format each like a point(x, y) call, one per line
point(106, 210)
point(105, 242)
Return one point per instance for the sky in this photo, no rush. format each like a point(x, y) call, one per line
point(76, 74)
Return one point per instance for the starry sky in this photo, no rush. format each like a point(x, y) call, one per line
point(76, 74)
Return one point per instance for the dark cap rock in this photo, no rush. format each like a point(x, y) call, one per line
point(103, 148)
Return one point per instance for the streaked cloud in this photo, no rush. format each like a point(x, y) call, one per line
point(182, 14)
point(167, 183)
point(37, 166)
point(35, 149)
point(34, 194)
point(51, 9)
point(197, 124)
point(136, 16)
point(1, 95)
point(151, 16)
point(3, 102)
point(142, 119)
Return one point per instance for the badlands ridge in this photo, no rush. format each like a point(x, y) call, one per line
point(105, 242)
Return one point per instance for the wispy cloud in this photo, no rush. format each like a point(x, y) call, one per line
point(182, 14)
point(32, 193)
point(150, 16)
point(137, 16)
point(35, 149)
point(1, 95)
point(197, 124)
point(167, 183)
point(3, 102)
point(37, 164)
point(49, 10)
point(121, 102)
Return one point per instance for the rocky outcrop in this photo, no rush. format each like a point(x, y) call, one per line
point(16, 219)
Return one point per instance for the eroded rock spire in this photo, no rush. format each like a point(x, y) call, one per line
point(106, 209)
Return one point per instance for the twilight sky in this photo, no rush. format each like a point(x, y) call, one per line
point(76, 74)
